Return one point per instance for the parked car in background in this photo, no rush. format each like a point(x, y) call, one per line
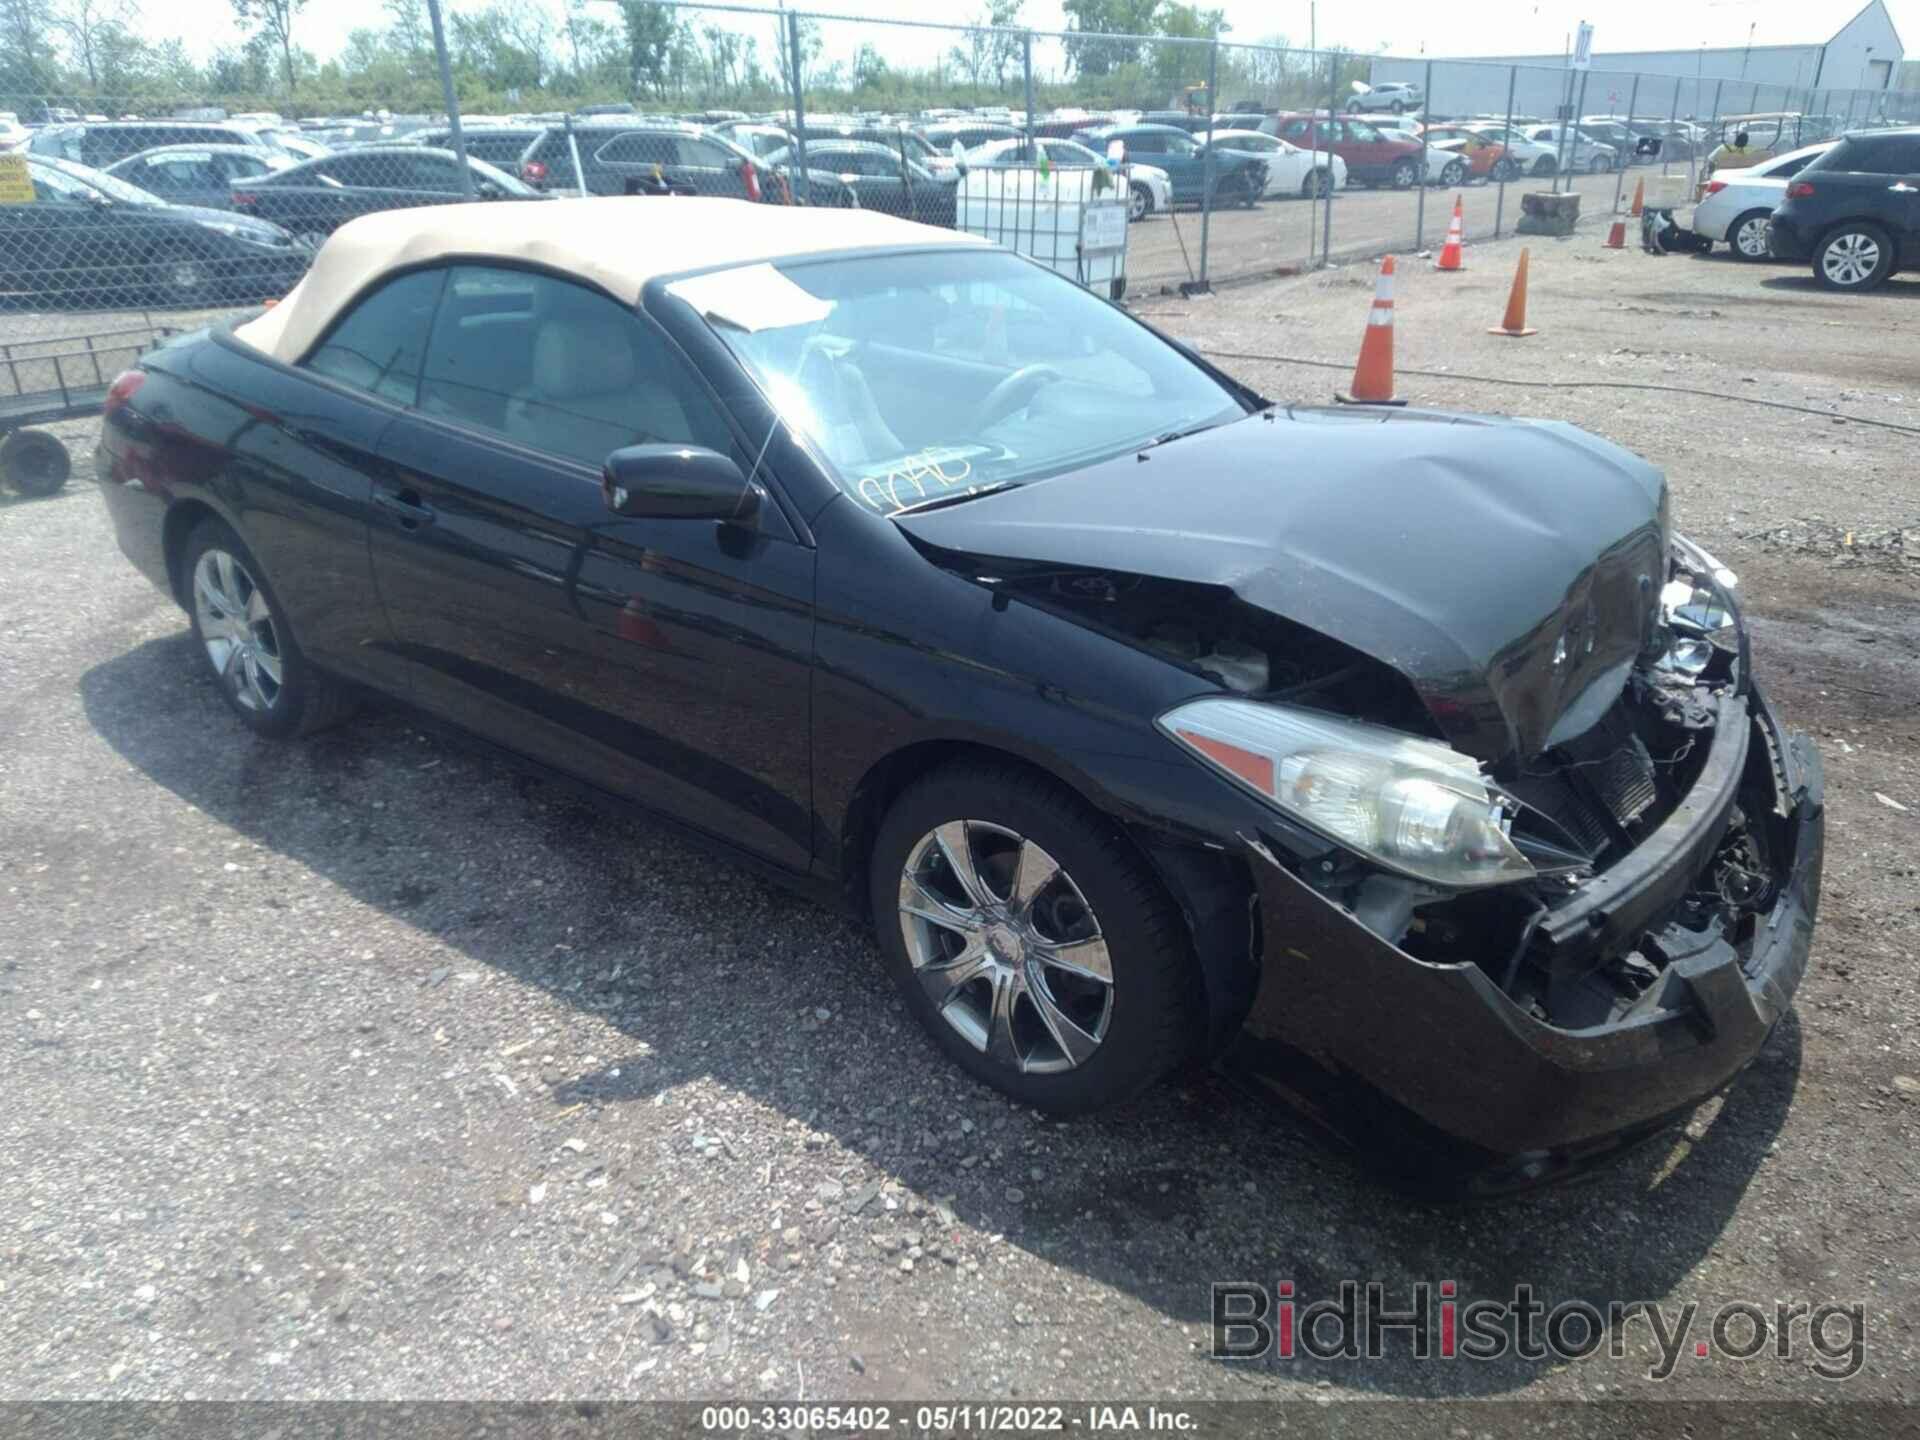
point(99, 145)
point(1533, 157)
point(1577, 149)
point(1394, 95)
point(1149, 188)
point(1767, 135)
point(1373, 158)
point(618, 157)
point(316, 198)
point(501, 146)
point(199, 174)
point(12, 132)
point(91, 239)
point(1290, 170)
point(1237, 179)
point(1736, 206)
point(916, 145)
point(1138, 716)
point(757, 139)
point(942, 137)
point(1630, 147)
point(1855, 211)
point(1486, 157)
point(870, 176)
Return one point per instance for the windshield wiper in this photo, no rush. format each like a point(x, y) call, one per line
point(953, 499)
point(1171, 435)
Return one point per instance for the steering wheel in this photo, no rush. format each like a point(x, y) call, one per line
point(1013, 392)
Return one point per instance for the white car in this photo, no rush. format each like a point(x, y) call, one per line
point(1583, 151)
point(12, 132)
point(1532, 156)
point(1738, 205)
point(1394, 95)
point(1148, 189)
point(1290, 170)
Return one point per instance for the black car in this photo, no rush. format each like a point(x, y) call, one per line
point(970, 134)
point(871, 176)
point(501, 146)
point(100, 143)
point(1408, 758)
point(201, 175)
point(629, 157)
point(317, 198)
point(1855, 211)
point(91, 239)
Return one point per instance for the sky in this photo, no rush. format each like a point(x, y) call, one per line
point(1406, 27)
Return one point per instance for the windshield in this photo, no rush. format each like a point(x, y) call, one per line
point(926, 375)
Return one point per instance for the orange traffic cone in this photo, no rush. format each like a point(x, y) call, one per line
point(1639, 196)
point(1450, 252)
point(1373, 376)
point(1616, 237)
point(1515, 325)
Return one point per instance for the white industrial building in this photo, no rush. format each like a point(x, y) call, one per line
point(1863, 55)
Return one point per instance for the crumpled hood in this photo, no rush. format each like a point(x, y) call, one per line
point(1510, 569)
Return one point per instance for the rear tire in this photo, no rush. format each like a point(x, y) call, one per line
point(240, 630)
point(1853, 256)
point(1748, 235)
point(1120, 1034)
point(1139, 202)
point(1316, 186)
point(34, 463)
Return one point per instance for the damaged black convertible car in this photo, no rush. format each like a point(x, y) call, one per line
point(1411, 762)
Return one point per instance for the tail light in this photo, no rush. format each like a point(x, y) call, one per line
point(125, 386)
point(533, 172)
point(245, 199)
point(1800, 190)
point(1714, 187)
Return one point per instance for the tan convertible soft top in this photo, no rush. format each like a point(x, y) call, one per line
point(616, 243)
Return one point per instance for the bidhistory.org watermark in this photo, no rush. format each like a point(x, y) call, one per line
point(1430, 1321)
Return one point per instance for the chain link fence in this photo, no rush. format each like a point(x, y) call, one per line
point(1129, 162)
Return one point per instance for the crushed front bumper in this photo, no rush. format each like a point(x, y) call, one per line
point(1435, 1072)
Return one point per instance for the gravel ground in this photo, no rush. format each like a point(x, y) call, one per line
point(366, 1067)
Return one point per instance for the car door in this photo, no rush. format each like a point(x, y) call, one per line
point(642, 155)
point(708, 168)
point(45, 247)
point(315, 199)
point(629, 653)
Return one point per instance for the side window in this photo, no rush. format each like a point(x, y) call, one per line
point(1295, 130)
point(378, 346)
point(1148, 144)
point(558, 368)
point(704, 154)
point(638, 148)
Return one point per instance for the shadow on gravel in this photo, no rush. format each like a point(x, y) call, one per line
point(712, 972)
point(1894, 289)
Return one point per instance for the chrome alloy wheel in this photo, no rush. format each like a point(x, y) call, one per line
point(1006, 947)
point(1750, 239)
point(237, 628)
point(1850, 259)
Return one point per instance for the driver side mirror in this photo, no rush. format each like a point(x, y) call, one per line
point(677, 482)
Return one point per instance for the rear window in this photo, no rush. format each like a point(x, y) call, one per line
point(1873, 155)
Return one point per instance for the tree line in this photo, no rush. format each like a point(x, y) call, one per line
point(95, 56)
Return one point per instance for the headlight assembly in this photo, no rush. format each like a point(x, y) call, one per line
point(1409, 804)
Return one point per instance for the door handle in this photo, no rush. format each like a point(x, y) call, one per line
point(405, 507)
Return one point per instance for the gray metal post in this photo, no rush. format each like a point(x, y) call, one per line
point(1578, 106)
point(799, 106)
point(1026, 66)
point(1620, 172)
point(1322, 136)
point(452, 100)
point(1500, 199)
point(1565, 120)
point(1673, 117)
point(1713, 129)
point(1420, 200)
point(1206, 160)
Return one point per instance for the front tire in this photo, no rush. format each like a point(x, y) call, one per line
point(1317, 185)
point(1404, 175)
point(241, 631)
point(1748, 235)
point(1139, 202)
point(1031, 941)
point(1454, 174)
point(1545, 165)
point(1853, 256)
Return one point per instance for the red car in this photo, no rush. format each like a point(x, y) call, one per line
point(1373, 157)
